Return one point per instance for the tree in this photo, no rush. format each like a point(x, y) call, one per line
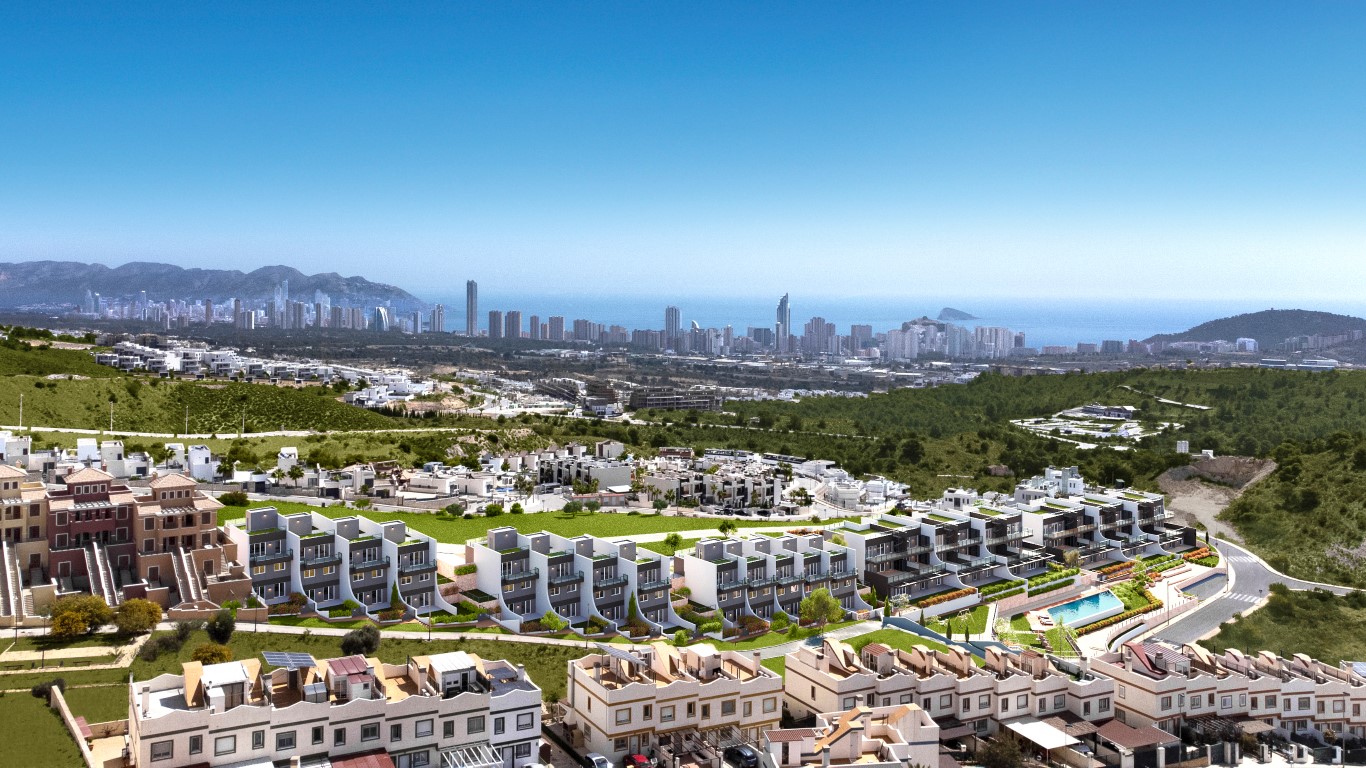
point(592, 506)
point(1000, 753)
point(278, 475)
point(221, 626)
point(137, 615)
point(681, 637)
point(554, 621)
point(91, 610)
point(296, 473)
point(516, 508)
point(361, 642)
point(820, 607)
point(673, 542)
point(493, 510)
point(660, 505)
point(727, 527)
point(69, 626)
point(212, 653)
point(1071, 558)
point(573, 507)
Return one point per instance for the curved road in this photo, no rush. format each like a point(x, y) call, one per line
point(1250, 579)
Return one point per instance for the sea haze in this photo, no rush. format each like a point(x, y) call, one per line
point(1054, 319)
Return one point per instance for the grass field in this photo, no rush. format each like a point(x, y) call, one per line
point(45, 643)
point(777, 638)
point(35, 736)
point(777, 664)
point(661, 548)
point(99, 705)
point(976, 622)
point(457, 530)
point(1327, 627)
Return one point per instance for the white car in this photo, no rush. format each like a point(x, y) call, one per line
point(595, 760)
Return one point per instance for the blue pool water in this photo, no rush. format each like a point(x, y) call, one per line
point(1084, 610)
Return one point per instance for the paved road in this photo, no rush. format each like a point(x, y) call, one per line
point(1250, 579)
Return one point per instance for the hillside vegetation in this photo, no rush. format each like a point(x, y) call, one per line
point(1269, 327)
point(1325, 626)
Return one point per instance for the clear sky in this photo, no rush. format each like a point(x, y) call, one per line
point(1174, 149)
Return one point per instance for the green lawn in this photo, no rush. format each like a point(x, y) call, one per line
point(35, 736)
point(1327, 627)
point(99, 705)
point(457, 530)
point(976, 622)
point(900, 639)
point(777, 664)
point(46, 643)
point(661, 548)
point(777, 638)
point(1130, 594)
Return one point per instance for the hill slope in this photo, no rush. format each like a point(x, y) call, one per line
point(65, 282)
point(1269, 327)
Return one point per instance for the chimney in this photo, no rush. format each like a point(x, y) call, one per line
point(1128, 658)
point(146, 699)
point(296, 762)
point(521, 671)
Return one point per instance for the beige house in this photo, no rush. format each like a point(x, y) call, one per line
point(869, 737)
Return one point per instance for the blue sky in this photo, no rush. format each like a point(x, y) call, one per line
point(1174, 150)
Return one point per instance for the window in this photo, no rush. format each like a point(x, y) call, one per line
point(1086, 707)
point(623, 716)
point(369, 732)
point(619, 745)
point(1059, 701)
point(225, 745)
point(706, 711)
point(317, 734)
point(1166, 703)
point(257, 570)
point(771, 704)
point(1022, 701)
point(163, 750)
point(279, 566)
point(329, 570)
point(692, 707)
point(1304, 702)
point(967, 703)
point(405, 580)
point(499, 725)
point(1005, 703)
point(1195, 702)
point(1043, 704)
point(396, 732)
point(424, 728)
point(476, 724)
point(1122, 691)
point(666, 714)
point(258, 739)
point(284, 741)
point(523, 749)
point(1242, 701)
point(448, 729)
point(647, 713)
point(196, 744)
point(747, 710)
point(983, 702)
point(1339, 706)
point(360, 576)
point(338, 737)
point(1104, 704)
point(1225, 702)
point(945, 700)
point(374, 574)
point(150, 524)
point(310, 573)
point(728, 707)
point(1271, 702)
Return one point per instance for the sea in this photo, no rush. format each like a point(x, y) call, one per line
point(1052, 318)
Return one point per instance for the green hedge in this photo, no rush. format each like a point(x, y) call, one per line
point(1045, 578)
point(1000, 586)
point(1153, 604)
point(1003, 595)
point(466, 570)
point(1050, 587)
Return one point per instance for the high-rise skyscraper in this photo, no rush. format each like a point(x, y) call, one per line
point(495, 324)
point(673, 325)
point(471, 308)
point(534, 327)
point(782, 327)
point(555, 328)
point(512, 324)
point(438, 321)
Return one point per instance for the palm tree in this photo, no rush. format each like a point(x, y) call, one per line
point(296, 473)
point(277, 476)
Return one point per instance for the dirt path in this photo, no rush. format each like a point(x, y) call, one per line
point(1195, 500)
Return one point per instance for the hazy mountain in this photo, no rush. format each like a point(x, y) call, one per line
point(953, 315)
point(1269, 327)
point(65, 282)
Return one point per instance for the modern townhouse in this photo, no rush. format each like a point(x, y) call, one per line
point(669, 699)
point(567, 470)
point(452, 710)
point(961, 697)
point(893, 555)
point(331, 561)
point(758, 575)
point(15, 449)
point(578, 578)
point(1172, 687)
point(868, 737)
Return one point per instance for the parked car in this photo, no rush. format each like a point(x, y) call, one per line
point(741, 756)
point(595, 760)
point(638, 761)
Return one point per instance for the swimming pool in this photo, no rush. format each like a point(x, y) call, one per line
point(1084, 610)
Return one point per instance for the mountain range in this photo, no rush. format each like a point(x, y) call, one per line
point(65, 282)
point(1269, 327)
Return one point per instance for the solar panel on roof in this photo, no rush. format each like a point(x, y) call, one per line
point(289, 659)
point(621, 655)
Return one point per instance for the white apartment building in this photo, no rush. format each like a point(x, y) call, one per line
point(624, 702)
point(14, 449)
point(867, 737)
point(1169, 686)
point(446, 710)
point(946, 685)
point(756, 575)
point(577, 578)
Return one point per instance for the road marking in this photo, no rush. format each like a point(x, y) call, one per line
point(1242, 598)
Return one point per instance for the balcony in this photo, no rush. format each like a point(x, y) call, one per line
point(378, 562)
point(789, 580)
point(885, 557)
point(608, 582)
point(428, 565)
point(812, 578)
point(651, 586)
point(1085, 528)
point(272, 557)
point(759, 582)
point(562, 579)
point(320, 560)
point(510, 577)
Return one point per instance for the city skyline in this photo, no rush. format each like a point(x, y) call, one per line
point(875, 148)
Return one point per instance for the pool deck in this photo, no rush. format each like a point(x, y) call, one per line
point(1040, 620)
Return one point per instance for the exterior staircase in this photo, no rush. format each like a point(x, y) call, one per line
point(101, 578)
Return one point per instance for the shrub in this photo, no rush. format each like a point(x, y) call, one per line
point(153, 648)
point(295, 604)
point(344, 611)
point(945, 597)
point(999, 586)
point(183, 629)
point(466, 570)
point(234, 499)
point(43, 690)
point(361, 642)
point(69, 626)
point(682, 593)
point(1052, 586)
point(212, 653)
point(708, 627)
point(780, 622)
point(90, 609)
point(221, 626)
point(515, 509)
point(137, 615)
point(554, 622)
point(1045, 578)
point(493, 510)
point(1003, 595)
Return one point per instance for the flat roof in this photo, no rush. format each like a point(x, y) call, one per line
point(1042, 734)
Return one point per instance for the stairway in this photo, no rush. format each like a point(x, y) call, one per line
point(196, 592)
point(101, 579)
point(8, 590)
